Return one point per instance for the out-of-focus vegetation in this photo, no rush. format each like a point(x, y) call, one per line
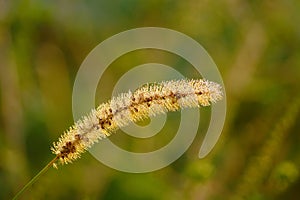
point(256, 45)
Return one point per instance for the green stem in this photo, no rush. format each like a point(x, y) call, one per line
point(34, 179)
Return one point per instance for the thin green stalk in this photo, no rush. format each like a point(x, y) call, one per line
point(34, 179)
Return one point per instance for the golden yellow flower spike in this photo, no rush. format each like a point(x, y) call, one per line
point(148, 100)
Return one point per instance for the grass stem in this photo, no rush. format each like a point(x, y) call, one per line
point(35, 178)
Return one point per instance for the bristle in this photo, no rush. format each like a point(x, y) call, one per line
point(148, 100)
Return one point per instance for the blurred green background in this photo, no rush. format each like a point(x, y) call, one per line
point(256, 45)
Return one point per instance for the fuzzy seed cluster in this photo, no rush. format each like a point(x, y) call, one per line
point(148, 100)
